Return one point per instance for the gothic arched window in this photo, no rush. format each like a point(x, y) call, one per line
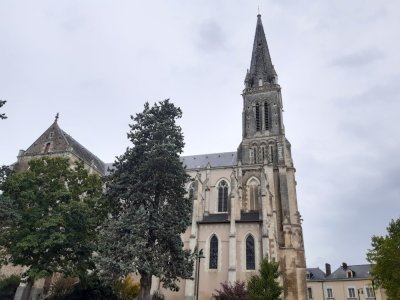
point(252, 194)
point(213, 263)
point(258, 117)
point(250, 253)
point(223, 196)
point(271, 156)
point(191, 191)
point(263, 153)
point(267, 116)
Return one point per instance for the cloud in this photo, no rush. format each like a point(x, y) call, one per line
point(358, 59)
point(211, 36)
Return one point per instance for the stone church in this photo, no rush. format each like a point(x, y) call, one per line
point(244, 202)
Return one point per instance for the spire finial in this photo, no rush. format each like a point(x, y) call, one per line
point(56, 118)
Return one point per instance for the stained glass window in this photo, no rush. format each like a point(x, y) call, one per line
point(213, 253)
point(250, 255)
point(223, 196)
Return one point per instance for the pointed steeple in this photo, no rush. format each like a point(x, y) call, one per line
point(262, 70)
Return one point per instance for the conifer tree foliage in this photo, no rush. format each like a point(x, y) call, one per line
point(385, 257)
point(265, 285)
point(49, 214)
point(147, 190)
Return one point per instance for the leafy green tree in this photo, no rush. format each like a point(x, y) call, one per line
point(2, 102)
point(265, 285)
point(147, 191)
point(49, 218)
point(385, 257)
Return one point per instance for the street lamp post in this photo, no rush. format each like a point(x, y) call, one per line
point(199, 256)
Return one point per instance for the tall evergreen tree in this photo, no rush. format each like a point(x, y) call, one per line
point(147, 190)
point(265, 285)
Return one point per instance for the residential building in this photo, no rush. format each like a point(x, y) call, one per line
point(345, 283)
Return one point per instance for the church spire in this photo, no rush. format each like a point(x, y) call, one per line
point(261, 70)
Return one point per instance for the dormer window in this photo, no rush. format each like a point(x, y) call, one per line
point(309, 275)
point(349, 274)
point(51, 135)
point(46, 148)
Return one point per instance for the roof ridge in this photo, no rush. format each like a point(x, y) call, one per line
point(231, 152)
point(79, 144)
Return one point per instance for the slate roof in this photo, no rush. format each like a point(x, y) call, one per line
point(224, 159)
point(360, 272)
point(250, 216)
point(85, 154)
point(215, 218)
point(316, 274)
point(63, 142)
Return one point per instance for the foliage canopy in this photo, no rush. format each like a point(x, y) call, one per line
point(49, 217)
point(147, 190)
point(385, 257)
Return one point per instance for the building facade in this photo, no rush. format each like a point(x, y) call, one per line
point(244, 202)
point(345, 283)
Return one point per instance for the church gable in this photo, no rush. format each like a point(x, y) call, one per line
point(56, 141)
point(52, 140)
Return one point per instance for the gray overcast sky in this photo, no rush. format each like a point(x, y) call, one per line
point(97, 62)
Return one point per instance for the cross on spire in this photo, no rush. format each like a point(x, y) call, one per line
point(56, 118)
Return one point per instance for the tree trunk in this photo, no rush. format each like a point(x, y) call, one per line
point(145, 286)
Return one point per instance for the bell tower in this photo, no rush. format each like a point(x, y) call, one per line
point(265, 151)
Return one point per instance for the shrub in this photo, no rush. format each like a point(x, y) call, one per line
point(89, 288)
point(126, 289)
point(8, 287)
point(158, 296)
point(62, 286)
point(229, 291)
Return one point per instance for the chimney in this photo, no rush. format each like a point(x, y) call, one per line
point(327, 269)
point(344, 266)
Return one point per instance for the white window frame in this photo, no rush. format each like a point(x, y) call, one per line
point(327, 293)
point(354, 290)
point(366, 293)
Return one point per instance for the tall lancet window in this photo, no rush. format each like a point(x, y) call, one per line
point(252, 194)
point(191, 191)
point(213, 263)
point(267, 119)
point(223, 196)
point(250, 253)
point(263, 153)
point(258, 117)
